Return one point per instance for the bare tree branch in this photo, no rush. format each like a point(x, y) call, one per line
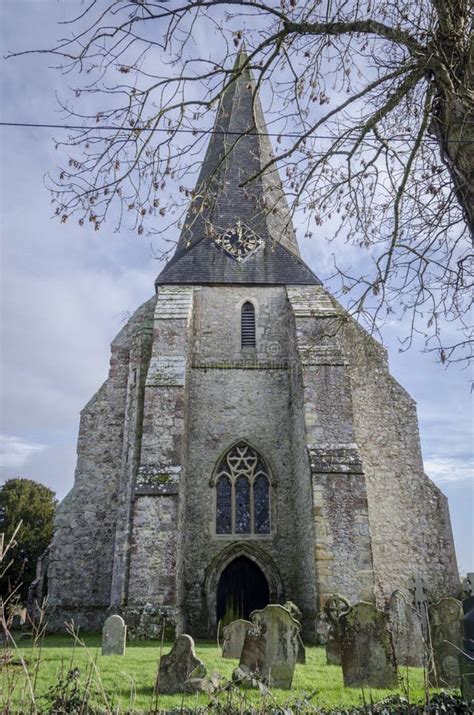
point(387, 166)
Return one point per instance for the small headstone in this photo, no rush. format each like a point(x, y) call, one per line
point(446, 642)
point(114, 636)
point(405, 625)
point(334, 607)
point(271, 647)
point(366, 648)
point(468, 624)
point(420, 601)
point(466, 658)
point(470, 583)
point(178, 667)
point(253, 654)
point(234, 637)
point(17, 622)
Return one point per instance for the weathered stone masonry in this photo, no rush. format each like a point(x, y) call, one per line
point(341, 522)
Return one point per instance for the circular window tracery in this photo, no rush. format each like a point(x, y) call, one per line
point(242, 493)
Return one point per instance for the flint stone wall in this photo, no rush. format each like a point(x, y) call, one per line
point(151, 622)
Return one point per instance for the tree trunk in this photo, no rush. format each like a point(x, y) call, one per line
point(453, 112)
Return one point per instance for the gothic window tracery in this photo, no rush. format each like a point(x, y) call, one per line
point(224, 506)
point(242, 493)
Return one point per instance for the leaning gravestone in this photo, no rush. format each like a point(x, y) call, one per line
point(252, 656)
point(271, 647)
point(334, 607)
point(234, 637)
point(405, 626)
point(445, 638)
point(114, 635)
point(178, 667)
point(366, 648)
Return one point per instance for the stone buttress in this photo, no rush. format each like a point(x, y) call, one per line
point(81, 560)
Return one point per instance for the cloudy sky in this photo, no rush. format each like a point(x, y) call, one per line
point(66, 291)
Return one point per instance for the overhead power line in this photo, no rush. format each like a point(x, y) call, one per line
point(79, 127)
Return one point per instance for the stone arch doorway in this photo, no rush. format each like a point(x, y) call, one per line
point(241, 589)
point(218, 565)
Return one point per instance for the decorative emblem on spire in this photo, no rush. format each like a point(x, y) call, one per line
point(239, 241)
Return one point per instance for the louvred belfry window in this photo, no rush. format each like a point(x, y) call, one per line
point(242, 493)
point(247, 325)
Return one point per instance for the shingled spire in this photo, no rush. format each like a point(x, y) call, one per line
point(239, 149)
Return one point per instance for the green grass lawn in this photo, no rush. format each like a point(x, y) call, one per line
point(126, 683)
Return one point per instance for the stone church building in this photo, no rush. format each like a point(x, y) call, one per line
point(249, 444)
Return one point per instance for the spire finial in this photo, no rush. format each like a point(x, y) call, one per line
point(242, 56)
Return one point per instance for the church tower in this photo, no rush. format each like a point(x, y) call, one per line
point(249, 445)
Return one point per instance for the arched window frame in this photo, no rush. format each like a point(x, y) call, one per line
point(248, 326)
point(231, 467)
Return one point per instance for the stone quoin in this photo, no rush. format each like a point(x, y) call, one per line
point(249, 445)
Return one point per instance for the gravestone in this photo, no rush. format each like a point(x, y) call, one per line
point(271, 647)
point(468, 585)
point(466, 658)
point(234, 637)
point(178, 667)
point(405, 626)
point(114, 635)
point(17, 622)
point(367, 655)
point(334, 607)
point(420, 601)
point(445, 639)
point(252, 656)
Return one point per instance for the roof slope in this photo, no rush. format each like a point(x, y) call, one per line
point(239, 148)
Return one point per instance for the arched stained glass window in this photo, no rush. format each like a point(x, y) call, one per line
point(223, 506)
point(261, 505)
point(242, 493)
point(247, 326)
point(242, 505)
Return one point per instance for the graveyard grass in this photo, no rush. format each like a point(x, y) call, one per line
point(125, 683)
